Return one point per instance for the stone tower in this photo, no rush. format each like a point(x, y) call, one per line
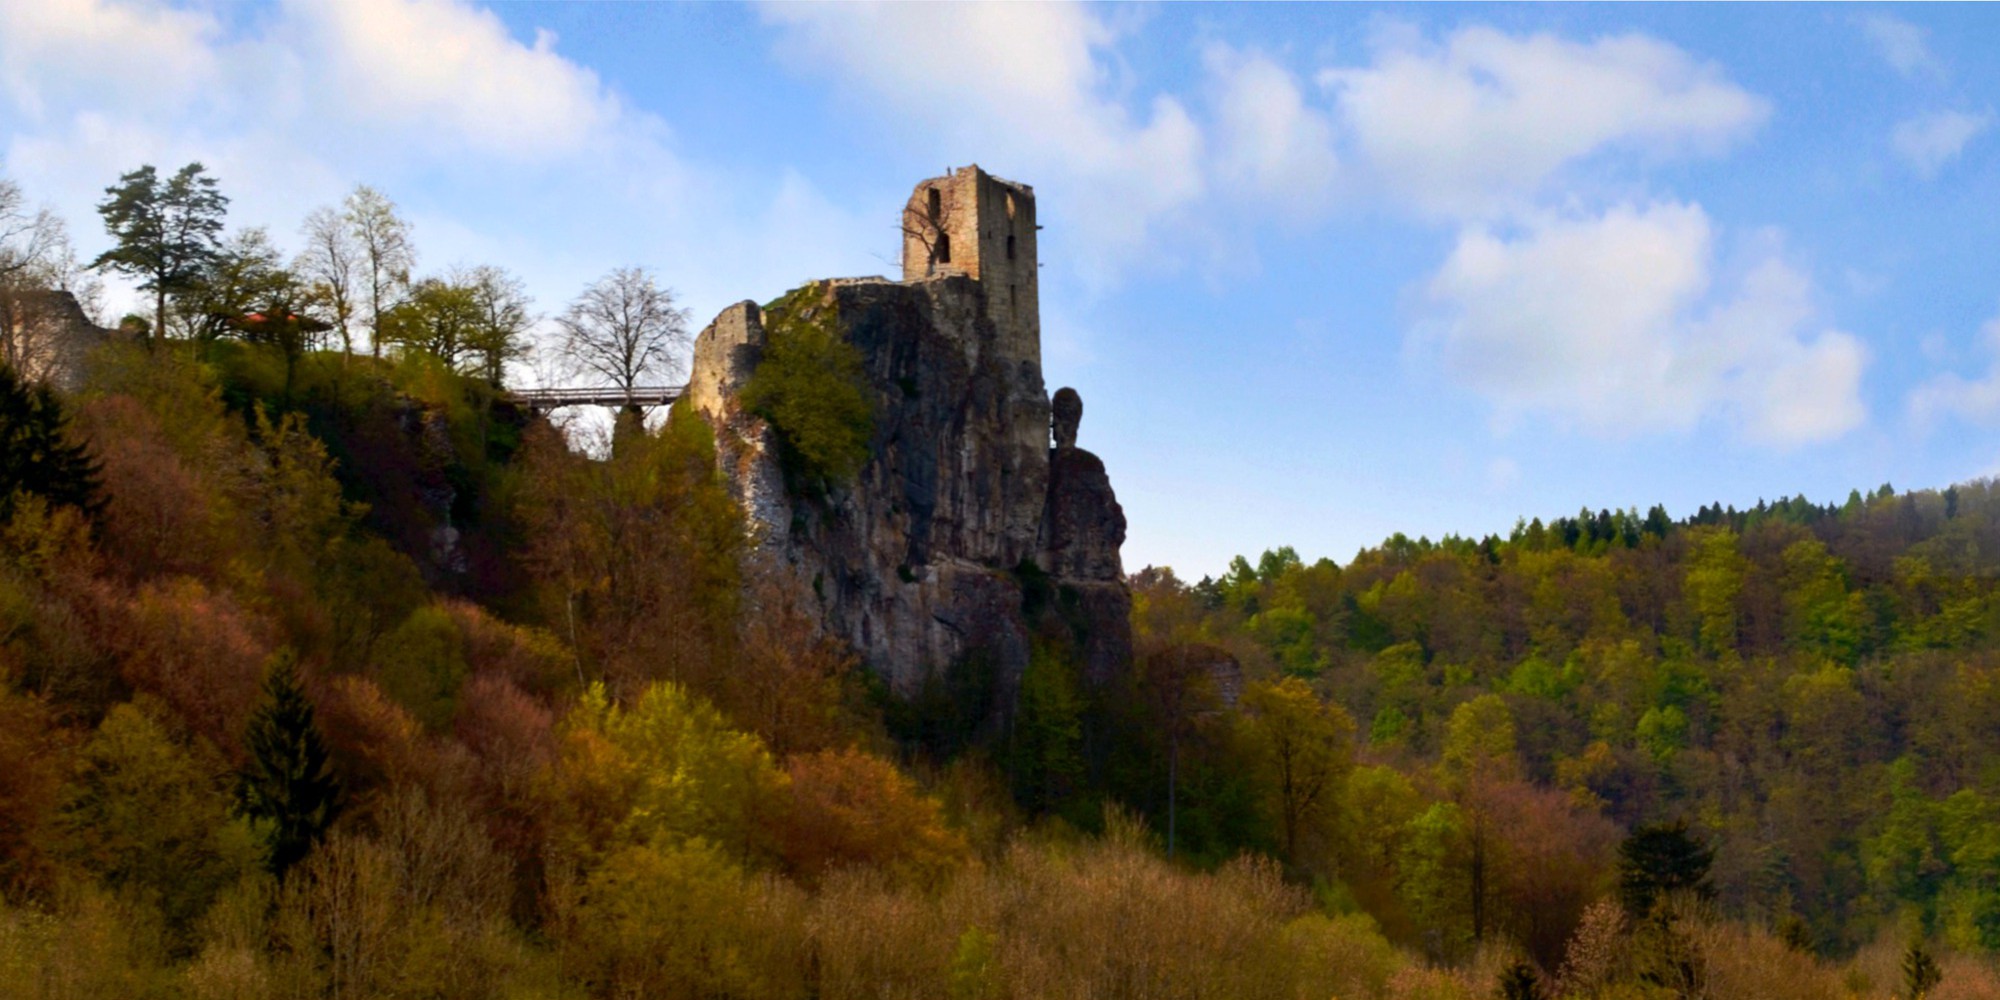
point(972, 223)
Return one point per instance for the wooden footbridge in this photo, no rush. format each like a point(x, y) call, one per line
point(645, 396)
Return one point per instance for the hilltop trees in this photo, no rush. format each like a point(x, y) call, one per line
point(331, 265)
point(386, 256)
point(167, 232)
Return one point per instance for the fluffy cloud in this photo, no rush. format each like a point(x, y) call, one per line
point(1028, 87)
point(1269, 142)
point(452, 74)
point(1480, 122)
point(1929, 141)
point(1612, 323)
point(1904, 45)
point(1973, 400)
point(54, 52)
point(433, 100)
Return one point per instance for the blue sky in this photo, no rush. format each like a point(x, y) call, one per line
point(1320, 273)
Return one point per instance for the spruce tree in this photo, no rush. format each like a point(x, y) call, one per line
point(36, 455)
point(1660, 859)
point(1519, 982)
point(289, 783)
point(1920, 972)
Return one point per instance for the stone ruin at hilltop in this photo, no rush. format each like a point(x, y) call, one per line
point(968, 535)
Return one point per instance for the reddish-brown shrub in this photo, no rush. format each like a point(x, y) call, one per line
point(197, 650)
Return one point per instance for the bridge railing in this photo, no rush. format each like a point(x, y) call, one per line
point(546, 399)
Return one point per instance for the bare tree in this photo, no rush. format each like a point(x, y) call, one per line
point(36, 256)
point(924, 223)
point(330, 264)
point(28, 240)
point(503, 307)
point(387, 255)
point(626, 328)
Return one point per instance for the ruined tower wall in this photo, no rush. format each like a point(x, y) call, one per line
point(972, 223)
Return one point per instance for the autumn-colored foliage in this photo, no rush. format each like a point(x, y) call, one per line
point(520, 719)
point(847, 808)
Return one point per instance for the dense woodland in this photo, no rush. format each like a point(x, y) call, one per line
point(329, 673)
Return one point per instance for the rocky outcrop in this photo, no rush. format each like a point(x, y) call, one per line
point(930, 555)
point(965, 538)
point(1082, 530)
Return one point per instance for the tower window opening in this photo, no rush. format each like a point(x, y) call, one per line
point(943, 252)
point(1010, 246)
point(935, 205)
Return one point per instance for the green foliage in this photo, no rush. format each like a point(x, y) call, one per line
point(289, 783)
point(166, 232)
point(146, 814)
point(474, 321)
point(1303, 749)
point(422, 664)
point(38, 454)
point(975, 973)
point(680, 920)
point(666, 769)
point(1045, 749)
point(811, 387)
point(1714, 584)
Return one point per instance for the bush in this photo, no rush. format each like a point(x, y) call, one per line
point(811, 387)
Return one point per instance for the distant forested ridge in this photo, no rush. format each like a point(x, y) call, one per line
point(1814, 688)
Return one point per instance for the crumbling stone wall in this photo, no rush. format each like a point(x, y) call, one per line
point(45, 336)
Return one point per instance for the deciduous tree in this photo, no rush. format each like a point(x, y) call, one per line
point(387, 255)
point(1303, 746)
point(625, 329)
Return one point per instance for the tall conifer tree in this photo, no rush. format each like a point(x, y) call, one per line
point(36, 454)
point(289, 782)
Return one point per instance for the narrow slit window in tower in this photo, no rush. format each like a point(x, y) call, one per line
point(944, 248)
point(936, 204)
point(1010, 246)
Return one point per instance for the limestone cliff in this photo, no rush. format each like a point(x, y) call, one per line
point(965, 533)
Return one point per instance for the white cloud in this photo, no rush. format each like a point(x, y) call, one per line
point(1904, 45)
point(434, 101)
point(1269, 142)
point(139, 54)
point(1481, 122)
point(451, 73)
point(1929, 141)
point(1972, 400)
point(1611, 323)
point(1027, 88)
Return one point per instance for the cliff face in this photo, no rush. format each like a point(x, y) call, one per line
point(965, 534)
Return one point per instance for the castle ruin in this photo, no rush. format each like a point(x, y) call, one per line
point(969, 534)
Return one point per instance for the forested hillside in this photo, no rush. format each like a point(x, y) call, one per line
point(336, 675)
